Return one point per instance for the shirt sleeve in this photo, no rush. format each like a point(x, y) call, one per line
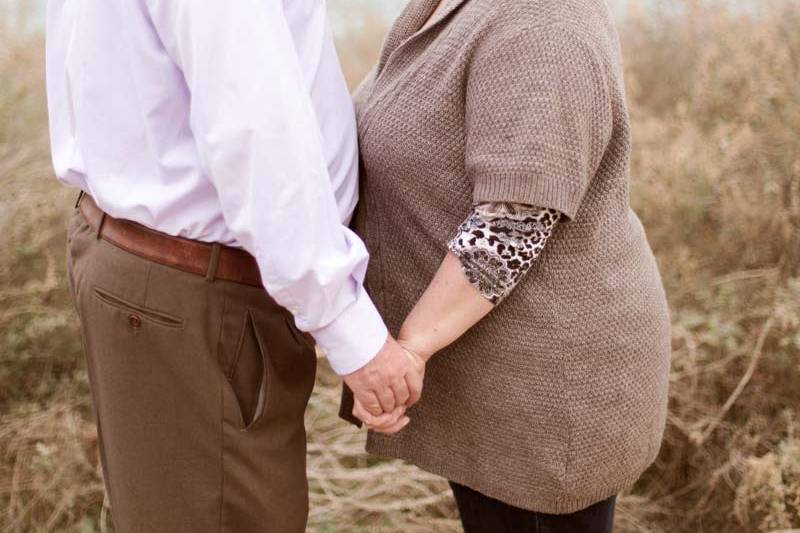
point(260, 143)
point(498, 243)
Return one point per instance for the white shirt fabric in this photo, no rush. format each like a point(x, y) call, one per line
point(223, 122)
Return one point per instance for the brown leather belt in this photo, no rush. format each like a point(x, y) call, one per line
point(214, 261)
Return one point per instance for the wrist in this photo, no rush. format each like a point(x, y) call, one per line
point(416, 342)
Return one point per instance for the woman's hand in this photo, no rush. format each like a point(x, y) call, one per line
point(387, 423)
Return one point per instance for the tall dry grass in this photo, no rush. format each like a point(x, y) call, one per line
point(715, 102)
point(715, 97)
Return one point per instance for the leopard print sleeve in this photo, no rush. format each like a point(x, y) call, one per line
point(498, 243)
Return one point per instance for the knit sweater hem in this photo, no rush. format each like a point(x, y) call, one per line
point(557, 504)
point(563, 196)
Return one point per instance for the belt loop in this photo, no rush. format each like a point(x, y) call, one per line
point(78, 201)
point(100, 224)
point(216, 248)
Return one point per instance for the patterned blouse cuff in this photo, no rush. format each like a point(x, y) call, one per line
point(498, 243)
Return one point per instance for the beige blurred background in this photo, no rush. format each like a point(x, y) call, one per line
point(714, 93)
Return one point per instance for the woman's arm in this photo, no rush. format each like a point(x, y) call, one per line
point(447, 309)
point(495, 247)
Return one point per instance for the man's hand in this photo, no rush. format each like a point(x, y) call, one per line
point(393, 379)
point(390, 423)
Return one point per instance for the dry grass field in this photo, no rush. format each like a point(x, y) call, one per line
point(715, 99)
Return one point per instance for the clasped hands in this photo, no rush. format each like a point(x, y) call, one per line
point(387, 386)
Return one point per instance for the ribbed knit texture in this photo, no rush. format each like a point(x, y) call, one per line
point(558, 398)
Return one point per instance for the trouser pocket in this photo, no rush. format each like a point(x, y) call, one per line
point(137, 313)
point(246, 373)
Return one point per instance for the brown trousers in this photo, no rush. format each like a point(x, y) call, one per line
point(199, 388)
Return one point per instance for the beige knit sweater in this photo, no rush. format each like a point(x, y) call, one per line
point(558, 398)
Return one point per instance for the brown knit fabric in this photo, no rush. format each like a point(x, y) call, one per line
point(557, 399)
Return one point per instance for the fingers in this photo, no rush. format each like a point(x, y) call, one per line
point(414, 382)
point(370, 403)
point(393, 378)
point(382, 420)
point(387, 399)
point(387, 423)
point(415, 378)
point(394, 428)
point(400, 391)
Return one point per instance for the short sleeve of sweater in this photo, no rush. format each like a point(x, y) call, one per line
point(538, 117)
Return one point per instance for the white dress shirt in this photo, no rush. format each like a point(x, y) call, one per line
point(223, 122)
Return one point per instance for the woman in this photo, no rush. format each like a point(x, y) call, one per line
point(495, 144)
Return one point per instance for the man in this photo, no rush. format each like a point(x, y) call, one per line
point(215, 143)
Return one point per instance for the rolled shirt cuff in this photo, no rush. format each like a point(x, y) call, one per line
point(354, 338)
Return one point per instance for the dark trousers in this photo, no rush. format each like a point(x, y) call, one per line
point(482, 514)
